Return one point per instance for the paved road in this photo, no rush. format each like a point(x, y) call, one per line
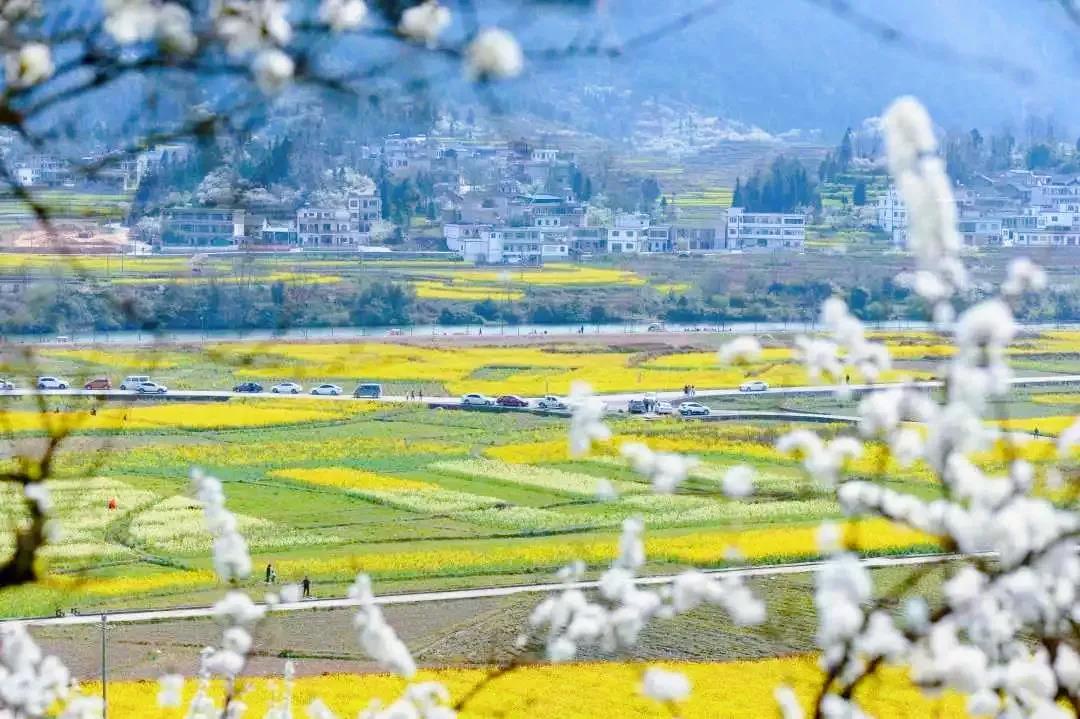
point(483, 592)
point(619, 398)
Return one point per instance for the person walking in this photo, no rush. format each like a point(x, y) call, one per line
point(273, 576)
point(421, 394)
point(306, 584)
point(269, 572)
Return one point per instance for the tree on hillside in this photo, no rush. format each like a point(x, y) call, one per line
point(785, 187)
point(650, 193)
point(1039, 157)
point(858, 195)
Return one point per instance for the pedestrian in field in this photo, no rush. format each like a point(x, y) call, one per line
point(269, 572)
point(421, 394)
point(306, 584)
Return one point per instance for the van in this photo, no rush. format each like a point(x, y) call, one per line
point(371, 391)
point(133, 381)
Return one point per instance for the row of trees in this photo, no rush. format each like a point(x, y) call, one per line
point(254, 305)
point(784, 187)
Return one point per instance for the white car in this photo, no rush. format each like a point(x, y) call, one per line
point(150, 388)
point(52, 383)
point(6, 385)
point(475, 399)
point(551, 402)
point(331, 389)
point(690, 409)
point(753, 386)
point(664, 407)
point(287, 388)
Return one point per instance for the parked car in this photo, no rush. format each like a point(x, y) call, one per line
point(133, 381)
point(636, 406)
point(550, 401)
point(656, 327)
point(52, 383)
point(286, 388)
point(327, 389)
point(248, 387)
point(690, 409)
point(151, 388)
point(753, 386)
point(98, 383)
point(395, 332)
point(664, 407)
point(369, 390)
point(6, 385)
point(511, 400)
point(475, 399)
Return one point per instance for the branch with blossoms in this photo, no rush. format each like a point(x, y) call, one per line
point(1005, 635)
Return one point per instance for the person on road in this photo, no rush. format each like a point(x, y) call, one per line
point(269, 572)
point(306, 584)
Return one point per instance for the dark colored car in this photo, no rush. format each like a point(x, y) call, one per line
point(636, 406)
point(369, 390)
point(248, 387)
point(98, 383)
point(511, 400)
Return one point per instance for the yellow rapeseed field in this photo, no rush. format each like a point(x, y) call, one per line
point(701, 548)
point(1057, 398)
point(439, 291)
point(720, 689)
point(300, 278)
point(1045, 425)
point(499, 370)
point(347, 478)
point(188, 416)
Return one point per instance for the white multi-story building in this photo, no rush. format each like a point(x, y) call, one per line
point(364, 210)
point(765, 230)
point(325, 227)
point(628, 234)
point(892, 216)
point(1054, 194)
point(202, 226)
point(348, 226)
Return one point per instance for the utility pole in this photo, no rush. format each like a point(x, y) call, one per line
point(104, 673)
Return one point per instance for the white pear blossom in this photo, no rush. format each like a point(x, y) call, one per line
point(30, 65)
point(920, 177)
point(318, 709)
point(30, 680)
point(586, 419)
point(741, 349)
point(665, 686)
point(247, 25)
point(665, 470)
point(130, 21)
point(230, 551)
point(739, 481)
point(170, 691)
point(273, 70)
point(788, 703)
point(377, 638)
point(1023, 276)
point(174, 32)
point(424, 22)
point(494, 53)
point(343, 15)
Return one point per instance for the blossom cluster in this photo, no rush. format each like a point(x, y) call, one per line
point(569, 621)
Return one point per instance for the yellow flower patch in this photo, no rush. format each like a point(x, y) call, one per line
point(439, 291)
point(187, 416)
point(346, 478)
point(720, 689)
